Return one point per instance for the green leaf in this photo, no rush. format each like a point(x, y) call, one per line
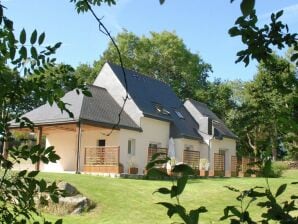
point(235, 211)
point(33, 37)
point(54, 198)
point(42, 185)
point(41, 38)
point(247, 6)
point(163, 190)
point(153, 163)
point(171, 208)
point(294, 57)
point(57, 45)
point(8, 23)
point(184, 169)
point(23, 36)
point(87, 93)
point(156, 173)
point(33, 173)
point(281, 189)
point(23, 52)
point(234, 31)
point(12, 53)
point(22, 173)
point(59, 221)
point(194, 214)
point(279, 14)
point(54, 157)
point(181, 182)
point(34, 53)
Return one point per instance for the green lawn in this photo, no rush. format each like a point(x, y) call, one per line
point(131, 201)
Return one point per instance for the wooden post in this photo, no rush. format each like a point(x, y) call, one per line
point(79, 133)
point(39, 142)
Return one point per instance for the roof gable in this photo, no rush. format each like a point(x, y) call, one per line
point(148, 92)
point(220, 129)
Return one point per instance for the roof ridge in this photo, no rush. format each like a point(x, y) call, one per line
point(139, 74)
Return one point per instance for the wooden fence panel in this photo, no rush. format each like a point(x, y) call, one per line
point(233, 166)
point(219, 164)
point(152, 151)
point(191, 158)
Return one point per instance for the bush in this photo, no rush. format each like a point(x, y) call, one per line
point(277, 169)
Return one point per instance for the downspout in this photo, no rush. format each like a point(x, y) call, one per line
point(78, 147)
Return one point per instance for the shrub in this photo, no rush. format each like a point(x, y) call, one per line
point(277, 169)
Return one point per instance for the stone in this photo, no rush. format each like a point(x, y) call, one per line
point(72, 203)
point(69, 189)
point(75, 204)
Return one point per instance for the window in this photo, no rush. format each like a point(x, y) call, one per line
point(131, 147)
point(101, 143)
point(188, 147)
point(178, 113)
point(154, 145)
point(160, 109)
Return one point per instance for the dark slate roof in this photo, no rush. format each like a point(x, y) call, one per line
point(220, 129)
point(146, 92)
point(101, 109)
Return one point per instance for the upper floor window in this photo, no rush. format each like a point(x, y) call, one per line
point(101, 143)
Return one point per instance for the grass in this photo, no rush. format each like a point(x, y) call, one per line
point(127, 201)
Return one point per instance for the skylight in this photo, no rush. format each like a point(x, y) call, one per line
point(160, 109)
point(178, 113)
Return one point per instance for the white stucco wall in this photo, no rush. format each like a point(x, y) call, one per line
point(180, 144)
point(227, 144)
point(65, 147)
point(108, 80)
point(90, 138)
point(154, 131)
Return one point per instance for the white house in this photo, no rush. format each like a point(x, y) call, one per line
point(92, 142)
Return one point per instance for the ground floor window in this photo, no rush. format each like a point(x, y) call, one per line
point(131, 147)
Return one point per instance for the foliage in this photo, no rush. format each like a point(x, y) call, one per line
point(163, 56)
point(28, 77)
point(275, 210)
point(264, 118)
point(261, 41)
point(218, 96)
point(236, 214)
point(179, 175)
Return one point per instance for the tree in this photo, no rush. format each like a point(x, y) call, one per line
point(218, 96)
point(265, 116)
point(27, 77)
point(163, 56)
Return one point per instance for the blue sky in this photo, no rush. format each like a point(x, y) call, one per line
point(202, 24)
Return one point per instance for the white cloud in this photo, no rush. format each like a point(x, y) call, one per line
point(290, 14)
point(111, 16)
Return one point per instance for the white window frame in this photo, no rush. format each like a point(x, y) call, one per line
point(131, 147)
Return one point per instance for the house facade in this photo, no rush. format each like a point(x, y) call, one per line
point(95, 140)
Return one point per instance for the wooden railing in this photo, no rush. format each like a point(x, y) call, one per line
point(152, 151)
point(191, 158)
point(106, 156)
